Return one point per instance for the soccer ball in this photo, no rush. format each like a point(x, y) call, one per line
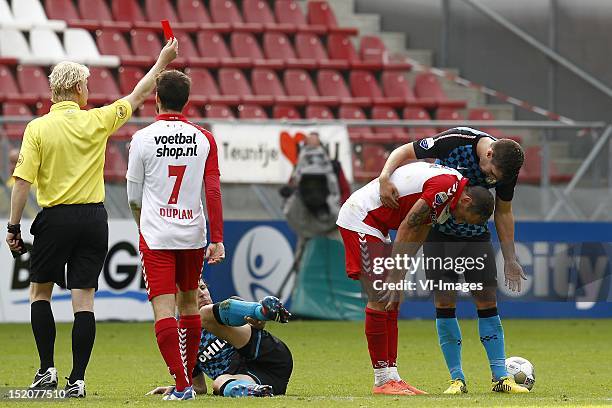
point(522, 371)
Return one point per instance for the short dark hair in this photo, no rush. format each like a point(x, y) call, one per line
point(173, 89)
point(483, 203)
point(508, 157)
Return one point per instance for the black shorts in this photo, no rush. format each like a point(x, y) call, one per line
point(267, 360)
point(459, 249)
point(70, 245)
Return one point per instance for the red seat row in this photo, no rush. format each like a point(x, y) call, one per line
point(210, 50)
point(192, 15)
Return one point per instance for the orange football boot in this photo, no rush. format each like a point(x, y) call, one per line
point(390, 388)
point(404, 385)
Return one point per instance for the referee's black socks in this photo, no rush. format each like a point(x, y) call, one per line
point(83, 336)
point(43, 327)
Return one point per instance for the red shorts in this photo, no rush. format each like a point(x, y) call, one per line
point(357, 251)
point(165, 270)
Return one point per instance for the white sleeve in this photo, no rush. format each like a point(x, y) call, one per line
point(135, 171)
point(134, 193)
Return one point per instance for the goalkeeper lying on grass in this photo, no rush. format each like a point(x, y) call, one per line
point(236, 352)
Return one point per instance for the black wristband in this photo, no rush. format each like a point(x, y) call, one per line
point(13, 228)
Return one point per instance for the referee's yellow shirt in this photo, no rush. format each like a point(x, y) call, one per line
point(64, 152)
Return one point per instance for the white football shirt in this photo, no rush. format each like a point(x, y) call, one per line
point(169, 157)
point(438, 185)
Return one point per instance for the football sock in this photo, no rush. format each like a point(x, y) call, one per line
point(492, 338)
point(43, 328)
point(226, 389)
point(393, 374)
point(392, 339)
point(83, 336)
point(376, 334)
point(166, 331)
point(231, 312)
point(190, 330)
point(449, 335)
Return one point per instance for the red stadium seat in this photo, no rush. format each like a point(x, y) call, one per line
point(416, 113)
point(194, 12)
point(531, 172)
point(204, 89)
point(251, 112)
point(259, 12)
point(218, 112)
point(233, 83)
point(128, 10)
point(373, 158)
point(364, 84)
point(356, 133)
point(331, 84)
point(33, 81)
point(244, 45)
point(10, 90)
point(298, 83)
point(192, 112)
point(102, 86)
point(426, 85)
point(372, 49)
point(266, 83)
point(98, 12)
point(112, 42)
point(320, 13)
point(147, 110)
point(395, 85)
point(390, 133)
point(225, 11)
point(277, 46)
point(285, 112)
point(157, 10)
point(128, 78)
point(340, 47)
point(188, 51)
point(14, 131)
point(115, 164)
point(447, 114)
point(212, 46)
point(289, 12)
point(309, 47)
point(61, 10)
point(145, 43)
point(319, 112)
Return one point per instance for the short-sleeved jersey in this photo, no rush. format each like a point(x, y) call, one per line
point(439, 186)
point(64, 152)
point(170, 158)
point(456, 148)
point(215, 355)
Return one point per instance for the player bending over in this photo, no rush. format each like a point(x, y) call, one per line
point(241, 359)
point(426, 193)
point(490, 163)
point(169, 162)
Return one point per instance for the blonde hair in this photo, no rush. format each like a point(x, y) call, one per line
point(64, 78)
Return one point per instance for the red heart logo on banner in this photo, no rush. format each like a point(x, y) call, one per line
point(289, 145)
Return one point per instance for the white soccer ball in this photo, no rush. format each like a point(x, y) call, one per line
point(522, 371)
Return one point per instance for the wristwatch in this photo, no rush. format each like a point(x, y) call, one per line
point(13, 228)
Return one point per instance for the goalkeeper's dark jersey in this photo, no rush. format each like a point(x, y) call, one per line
point(215, 356)
point(456, 148)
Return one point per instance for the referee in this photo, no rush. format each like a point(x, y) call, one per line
point(63, 151)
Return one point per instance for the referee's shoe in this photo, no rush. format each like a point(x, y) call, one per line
point(74, 390)
point(45, 380)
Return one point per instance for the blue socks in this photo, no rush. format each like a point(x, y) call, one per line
point(231, 312)
point(229, 388)
point(492, 338)
point(449, 335)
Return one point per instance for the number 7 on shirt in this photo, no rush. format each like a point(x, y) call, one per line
point(178, 172)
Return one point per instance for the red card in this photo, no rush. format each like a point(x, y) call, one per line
point(167, 30)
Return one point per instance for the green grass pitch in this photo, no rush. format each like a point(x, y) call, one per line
point(573, 360)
